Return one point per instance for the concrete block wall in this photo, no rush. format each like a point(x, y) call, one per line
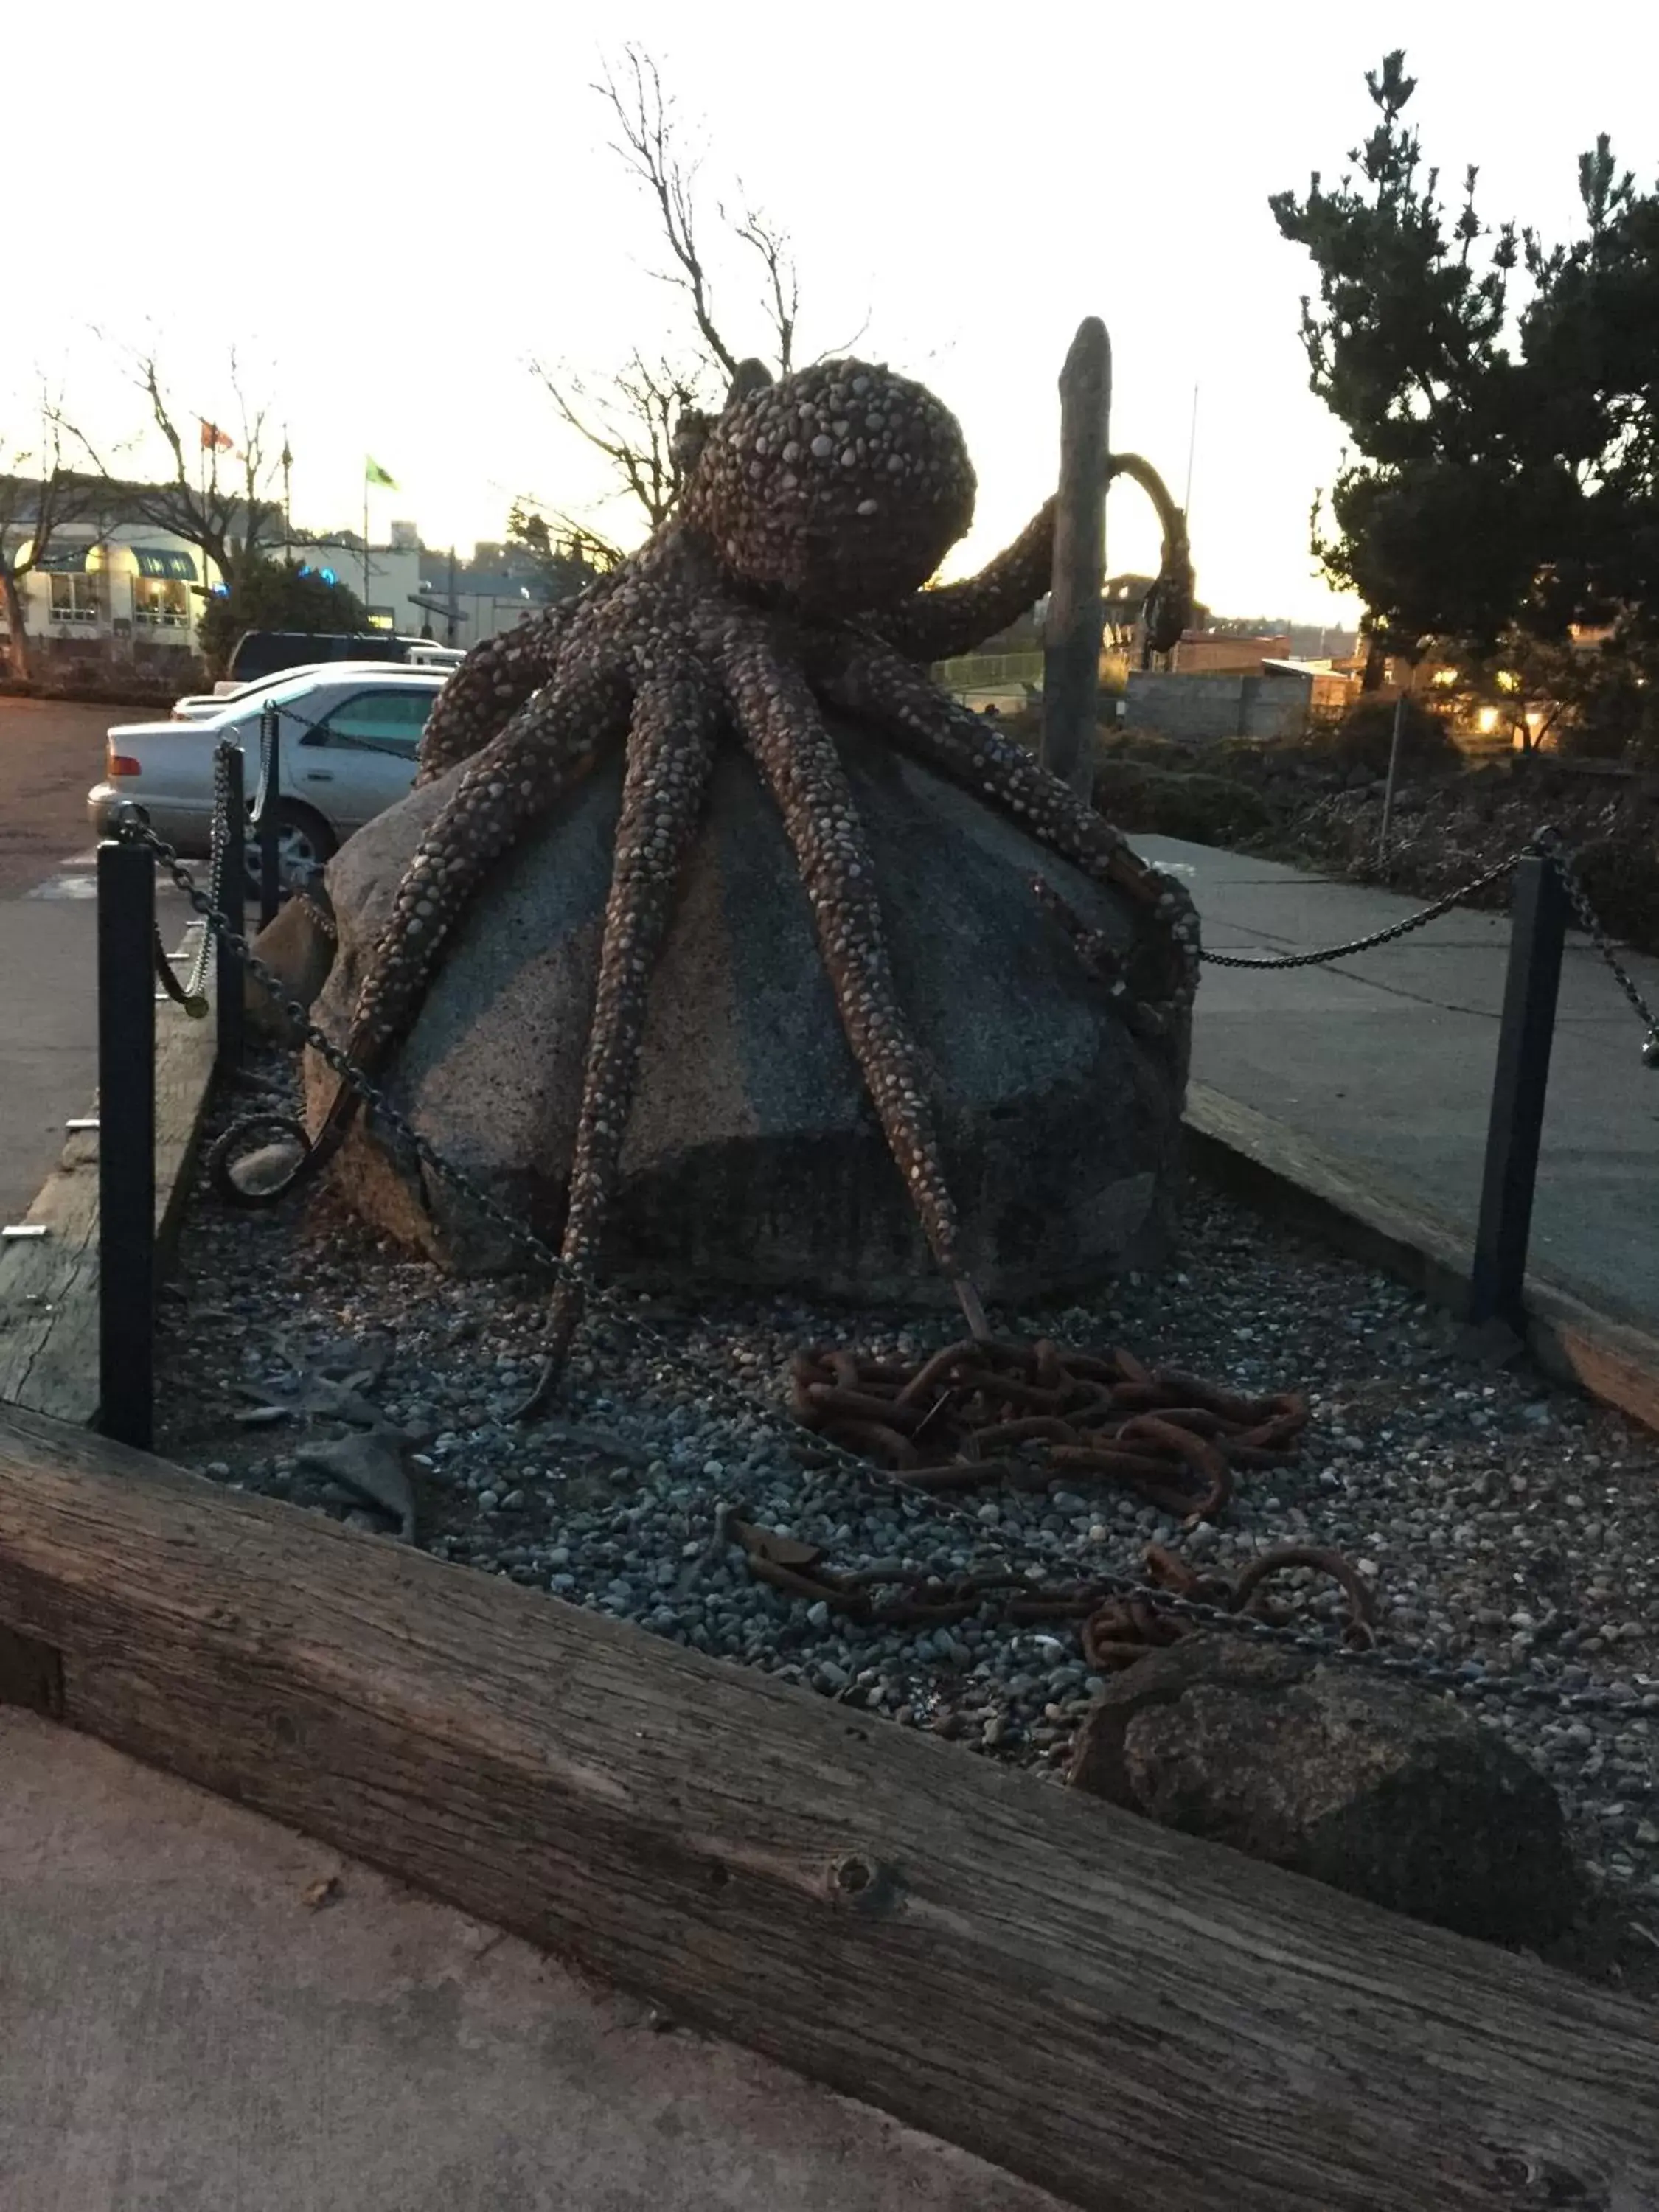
point(1195, 708)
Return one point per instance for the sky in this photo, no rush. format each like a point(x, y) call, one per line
point(392, 221)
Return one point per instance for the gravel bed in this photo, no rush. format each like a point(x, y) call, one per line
point(1508, 1527)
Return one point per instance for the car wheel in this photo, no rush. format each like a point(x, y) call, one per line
point(305, 844)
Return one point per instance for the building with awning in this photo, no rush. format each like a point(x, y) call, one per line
point(127, 590)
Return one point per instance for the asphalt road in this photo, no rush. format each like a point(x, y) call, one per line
point(51, 755)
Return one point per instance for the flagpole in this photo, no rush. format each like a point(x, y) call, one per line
point(365, 537)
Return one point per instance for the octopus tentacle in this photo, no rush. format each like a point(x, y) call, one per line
point(543, 750)
point(495, 680)
point(954, 618)
point(878, 684)
point(783, 728)
point(670, 752)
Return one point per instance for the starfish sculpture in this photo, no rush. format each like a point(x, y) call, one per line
point(788, 580)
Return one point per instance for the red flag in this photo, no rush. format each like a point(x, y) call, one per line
point(213, 440)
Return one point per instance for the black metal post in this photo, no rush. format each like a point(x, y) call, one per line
point(270, 790)
point(1537, 936)
point(232, 887)
point(127, 1143)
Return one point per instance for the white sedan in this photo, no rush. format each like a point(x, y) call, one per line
point(202, 706)
point(347, 742)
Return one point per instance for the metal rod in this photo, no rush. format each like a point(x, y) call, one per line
point(1538, 932)
point(264, 825)
point(1077, 615)
point(228, 990)
point(1394, 776)
point(127, 1144)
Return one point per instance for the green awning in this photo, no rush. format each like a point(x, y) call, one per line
point(64, 561)
point(156, 561)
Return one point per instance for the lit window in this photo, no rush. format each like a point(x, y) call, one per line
point(74, 598)
point(161, 603)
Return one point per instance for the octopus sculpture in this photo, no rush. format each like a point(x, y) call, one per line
point(788, 582)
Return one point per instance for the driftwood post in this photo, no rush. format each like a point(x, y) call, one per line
point(1071, 658)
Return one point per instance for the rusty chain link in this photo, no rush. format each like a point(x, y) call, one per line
point(1116, 1628)
point(1200, 1602)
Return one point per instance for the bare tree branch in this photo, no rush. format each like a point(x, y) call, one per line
point(229, 522)
point(782, 294)
point(652, 420)
point(634, 424)
point(834, 352)
point(531, 526)
point(38, 494)
point(645, 118)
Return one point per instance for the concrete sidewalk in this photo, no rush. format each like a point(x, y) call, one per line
point(1385, 1060)
point(49, 1027)
point(192, 2019)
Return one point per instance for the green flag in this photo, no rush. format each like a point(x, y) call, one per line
point(375, 474)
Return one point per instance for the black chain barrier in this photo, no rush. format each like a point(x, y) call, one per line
point(190, 992)
point(1551, 845)
point(1468, 1679)
point(1549, 842)
point(1396, 929)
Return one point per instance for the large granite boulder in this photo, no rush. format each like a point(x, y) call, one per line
point(753, 1157)
point(1370, 1784)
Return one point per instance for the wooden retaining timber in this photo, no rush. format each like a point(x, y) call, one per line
point(49, 1284)
point(1140, 2021)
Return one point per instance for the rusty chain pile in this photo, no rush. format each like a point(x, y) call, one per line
point(983, 1411)
point(1037, 1417)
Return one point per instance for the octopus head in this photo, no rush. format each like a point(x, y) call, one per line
point(839, 490)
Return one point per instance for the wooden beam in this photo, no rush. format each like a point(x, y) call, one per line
point(49, 1284)
point(1076, 619)
point(1140, 2021)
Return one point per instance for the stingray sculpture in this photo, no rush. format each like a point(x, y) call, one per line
point(788, 580)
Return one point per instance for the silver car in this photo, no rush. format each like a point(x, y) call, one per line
point(347, 742)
